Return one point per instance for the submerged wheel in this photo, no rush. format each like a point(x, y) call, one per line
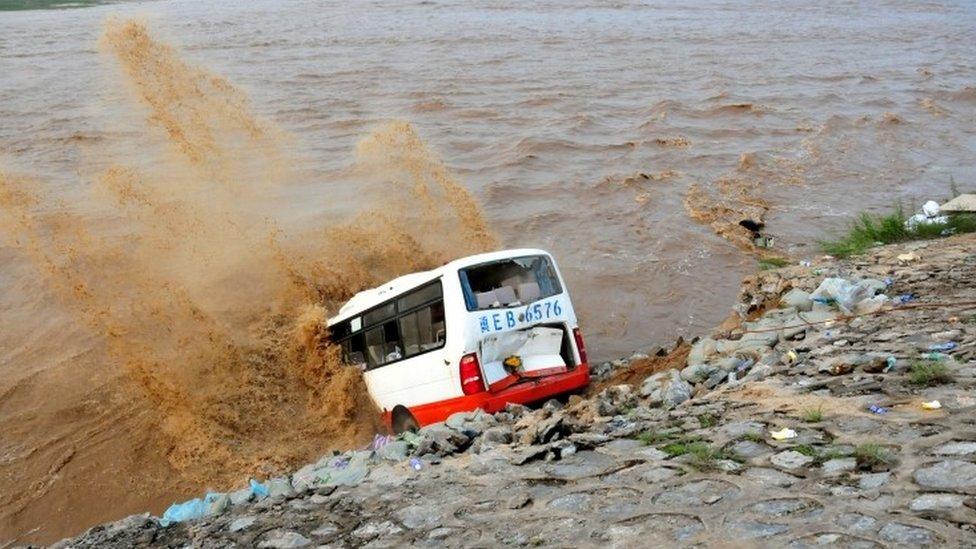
point(402, 420)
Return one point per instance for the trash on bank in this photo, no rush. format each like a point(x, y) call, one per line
point(850, 296)
point(416, 464)
point(948, 346)
point(213, 503)
point(933, 405)
point(875, 409)
point(931, 215)
point(783, 434)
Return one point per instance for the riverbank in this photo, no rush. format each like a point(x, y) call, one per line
point(806, 418)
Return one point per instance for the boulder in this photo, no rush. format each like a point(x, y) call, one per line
point(797, 299)
point(676, 391)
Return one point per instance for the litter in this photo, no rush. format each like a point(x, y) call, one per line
point(904, 298)
point(890, 361)
point(806, 263)
point(792, 357)
point(908, 258)
point(930, 216)
point(783, 434)
point(212, 504)
point(934, 405)
point(948, 346)
point(844, 293)
point(259, 490)
point(935, 356)
point(874, 409)
point(416, 464)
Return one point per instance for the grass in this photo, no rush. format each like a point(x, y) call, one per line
point(869, 230)
point(703, 455)
point(928, 372)
point(753, 437)
point(813, 415)
point(819, 456)
point(707, 420)
point(772, 263)
point(873, 457)
point(655, 437)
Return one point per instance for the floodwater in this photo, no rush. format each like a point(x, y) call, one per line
point(624, 137)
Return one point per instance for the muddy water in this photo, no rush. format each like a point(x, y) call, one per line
point(619, 137)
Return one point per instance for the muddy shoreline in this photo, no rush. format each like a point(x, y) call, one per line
point(795, 422)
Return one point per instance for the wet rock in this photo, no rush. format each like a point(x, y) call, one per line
point(950, 475)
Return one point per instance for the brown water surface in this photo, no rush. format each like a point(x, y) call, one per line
point(183, 192)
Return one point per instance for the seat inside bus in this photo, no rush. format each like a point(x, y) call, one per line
point(509, 282)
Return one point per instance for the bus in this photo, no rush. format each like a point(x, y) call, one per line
point(479, 332)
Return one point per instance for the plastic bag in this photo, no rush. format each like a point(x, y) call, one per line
point(844, 293)
point(193, 509)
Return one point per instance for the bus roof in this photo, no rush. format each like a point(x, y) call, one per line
point(372, 297)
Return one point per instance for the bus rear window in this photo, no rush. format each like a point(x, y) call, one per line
point(509, 282)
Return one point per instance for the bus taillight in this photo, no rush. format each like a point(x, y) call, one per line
point(471, 382)
point(580, 346)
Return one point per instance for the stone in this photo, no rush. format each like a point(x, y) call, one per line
point(501, 434)
point(701, 351)
point(240, 497)
point(396, 450)
point(325, 529)
point(676, 391)
point(952, 475)
point(374, 529)
point(419, 517)
point(856, 522)
point(283, 539)
point(836, 467)
point(241, 523)
point(698, 373)
point(791, 459)
point(280, 487)
point(653, 383)
point(872, 481)
point(956, 448)
point(797, 299)
point(768, 477)
point(897, 532)
point(748, 449)
point(937, 502)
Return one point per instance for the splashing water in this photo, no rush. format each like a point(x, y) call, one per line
point(212, 317)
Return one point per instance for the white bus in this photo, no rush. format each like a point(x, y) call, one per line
point(479, 332)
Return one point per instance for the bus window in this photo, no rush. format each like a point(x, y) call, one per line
point(509, 282)
point(354, 350)
point(383, 344)
point(423, 330)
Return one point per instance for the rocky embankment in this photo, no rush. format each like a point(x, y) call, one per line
point(821, 414)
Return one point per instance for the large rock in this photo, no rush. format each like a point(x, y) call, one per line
point(950, 475)
point(698, 373)
point(701, 351)
point(797, 299)
point(791, 459)
point(675, 391)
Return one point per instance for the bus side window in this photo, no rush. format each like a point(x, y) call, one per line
point(383, 344)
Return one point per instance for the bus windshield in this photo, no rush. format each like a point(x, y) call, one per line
point(509, 282)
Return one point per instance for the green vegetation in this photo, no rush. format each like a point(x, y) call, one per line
point(870, 230)
point(928, 372)
point(873, 456)
point(707, 420)
point(753, 437)
point(656, 437)
point(819, 455)
point(772, 263)
point(703, 455)
point(813, 415)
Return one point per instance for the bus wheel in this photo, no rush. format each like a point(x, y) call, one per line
point(402, 420)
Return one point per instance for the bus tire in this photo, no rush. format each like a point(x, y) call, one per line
point(402, 420)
